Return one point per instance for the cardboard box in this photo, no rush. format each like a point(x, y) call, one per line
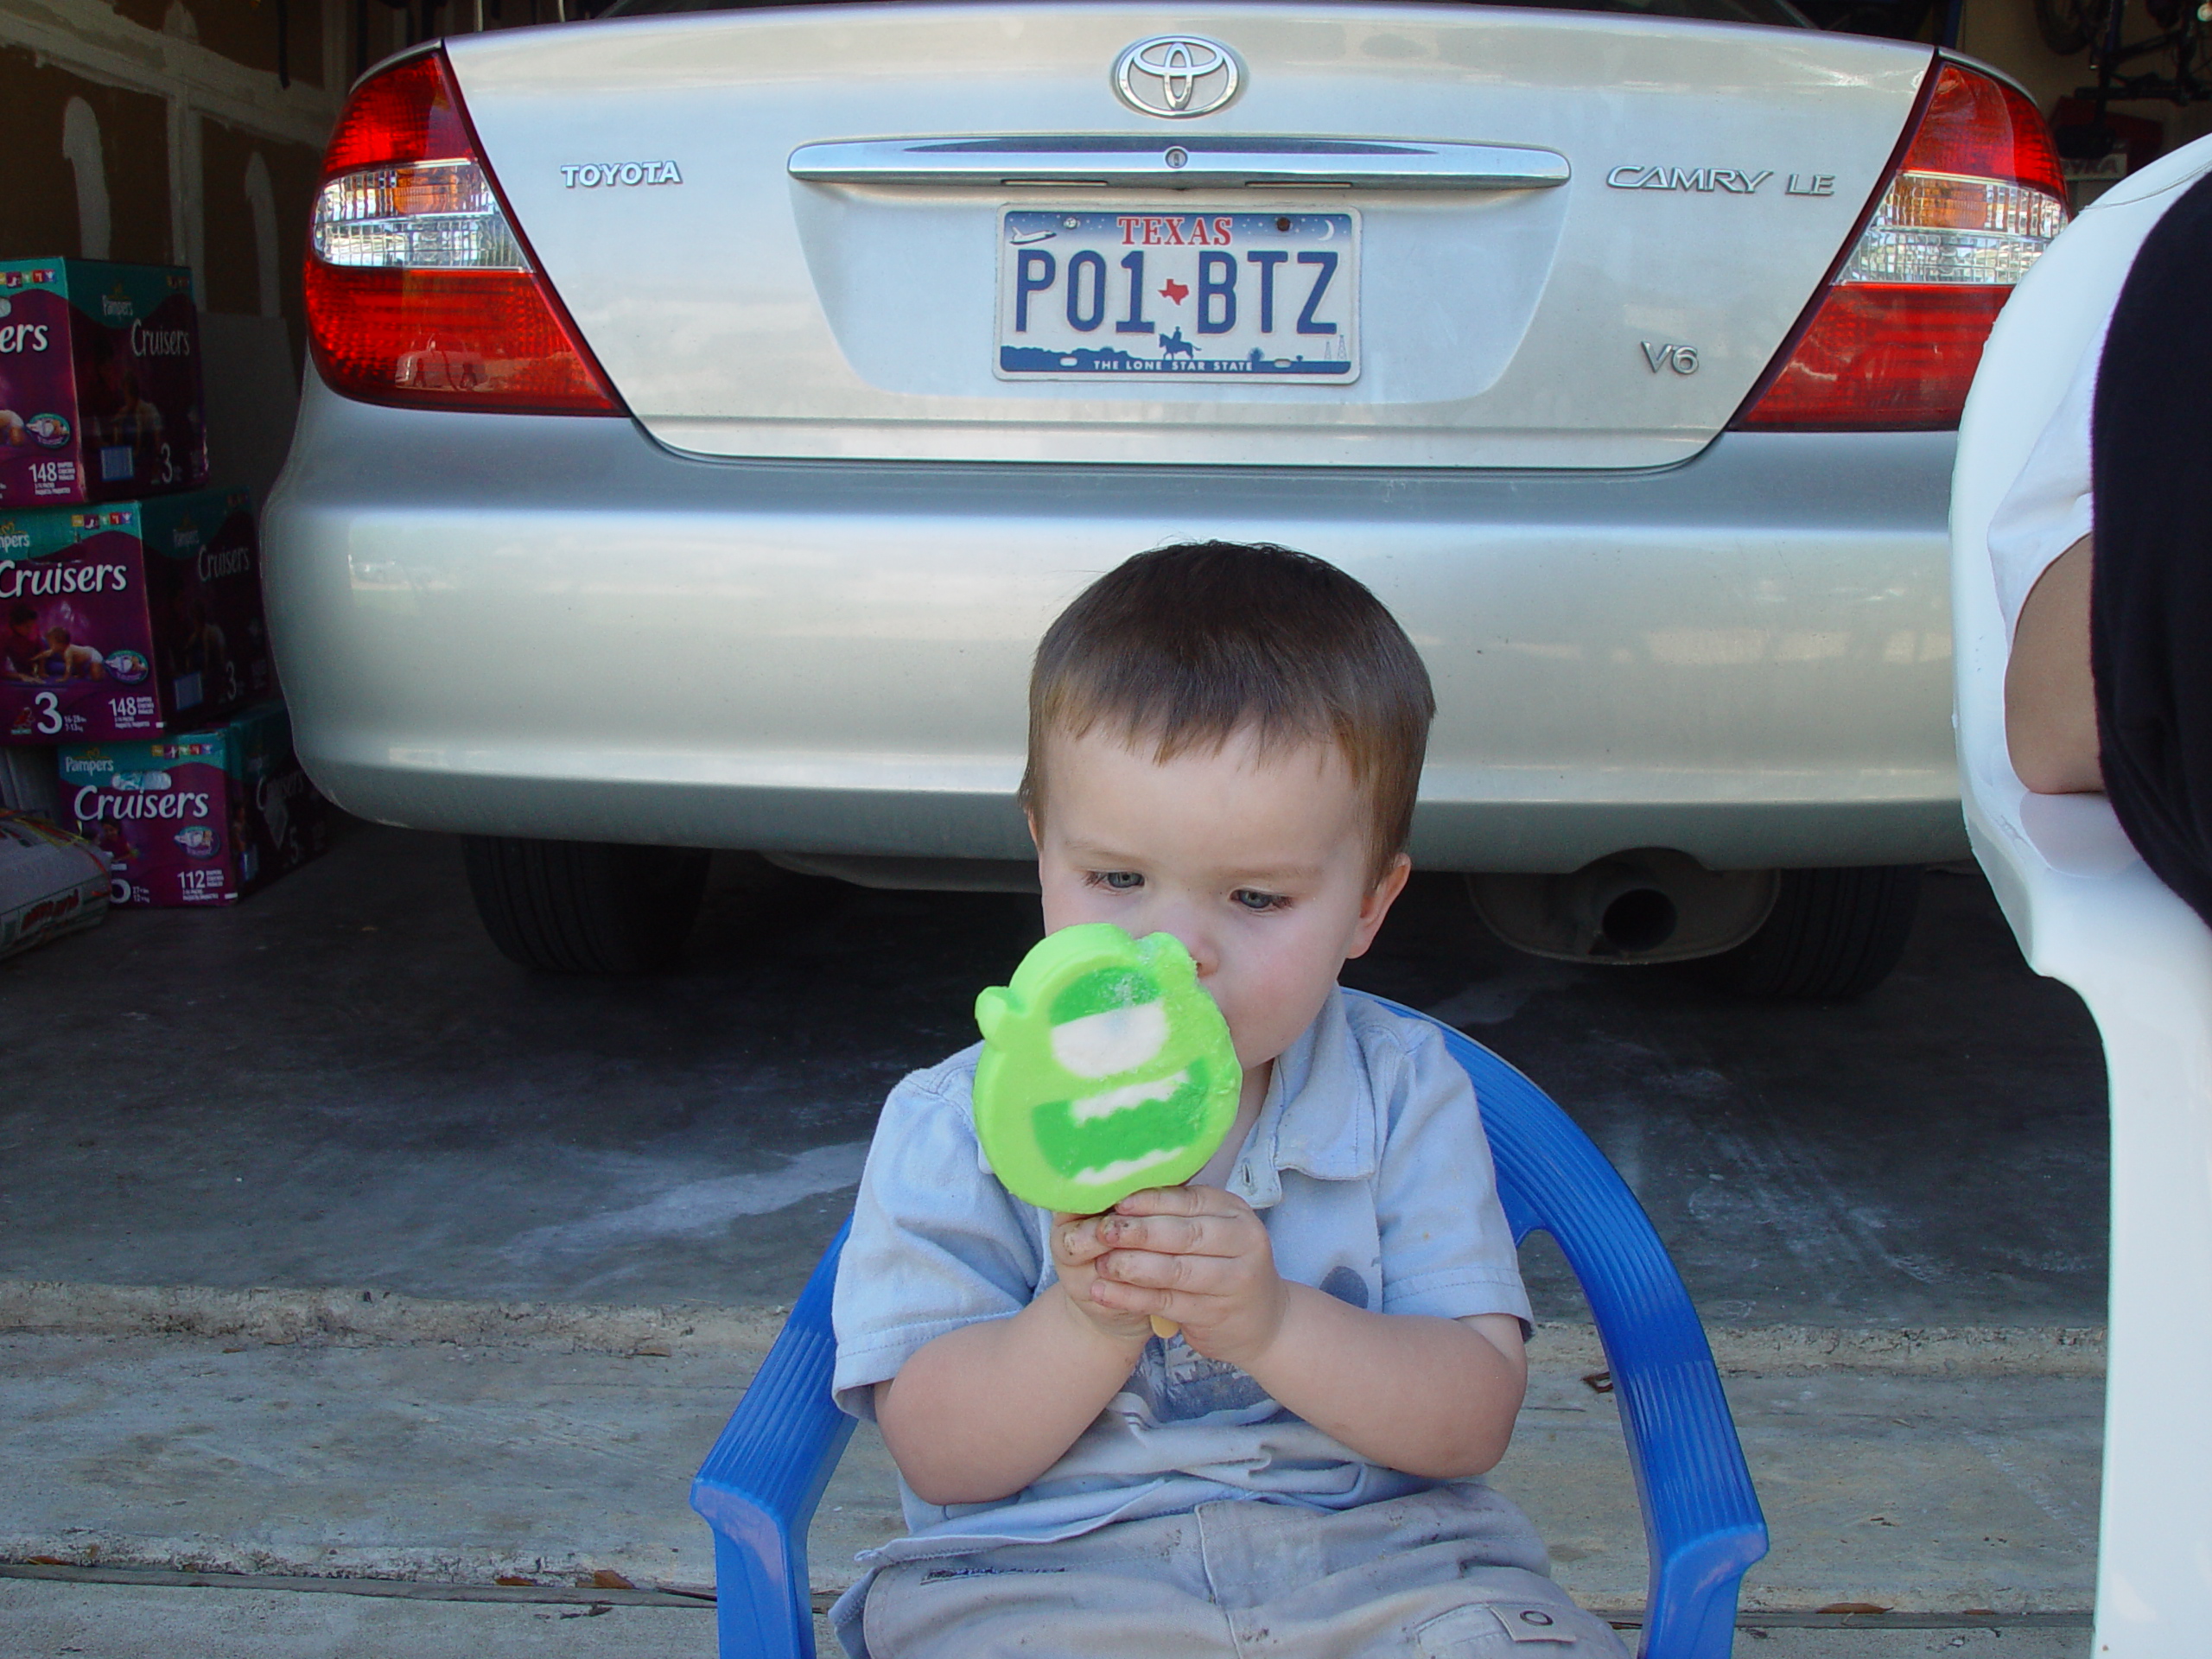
point(100, 396)
point(200, 818)
point(50, 883)
point(28, 782)
point(129, 620)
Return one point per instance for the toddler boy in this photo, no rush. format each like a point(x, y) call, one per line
point(1224, 745)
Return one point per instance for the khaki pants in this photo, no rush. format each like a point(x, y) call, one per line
point(1453, 1574)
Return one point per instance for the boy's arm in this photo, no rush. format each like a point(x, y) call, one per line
point(1432, 1396)
point(977, 1413)
point(1435, 1397)
point(978, 1379)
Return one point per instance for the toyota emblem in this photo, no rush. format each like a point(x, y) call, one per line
point(1177, 75)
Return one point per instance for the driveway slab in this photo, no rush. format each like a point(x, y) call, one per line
point(540, 1463)
point(48, 1621)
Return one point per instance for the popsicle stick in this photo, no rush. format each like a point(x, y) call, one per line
point(1166, 1330)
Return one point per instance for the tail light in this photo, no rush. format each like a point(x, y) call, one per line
point(1892, 340)
point(419, 290)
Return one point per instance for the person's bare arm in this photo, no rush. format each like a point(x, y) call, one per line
point(977, 1413)
point(1435, 1397)
point(2051, 701)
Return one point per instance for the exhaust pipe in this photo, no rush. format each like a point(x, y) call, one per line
point(1649, 905)
point(1637, 920)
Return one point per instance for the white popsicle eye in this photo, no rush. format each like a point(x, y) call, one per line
point(1119, 1040)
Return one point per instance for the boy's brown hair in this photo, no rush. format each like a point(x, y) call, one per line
point(1185, 646)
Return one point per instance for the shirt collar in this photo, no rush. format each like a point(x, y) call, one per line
point(1319, 1116)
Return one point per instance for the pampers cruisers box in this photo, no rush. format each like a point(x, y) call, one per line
point(200, 818)
point(100, 396)
point(130, 619)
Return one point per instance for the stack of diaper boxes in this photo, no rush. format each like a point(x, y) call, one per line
point(133, 649)
point(99, 381)
point(198, 818)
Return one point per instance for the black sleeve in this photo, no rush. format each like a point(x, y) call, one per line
point(2151, 599)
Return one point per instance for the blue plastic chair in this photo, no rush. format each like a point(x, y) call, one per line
point(758, 1487)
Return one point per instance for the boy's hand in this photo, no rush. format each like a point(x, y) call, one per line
point(1076, 1250)
point(1198, 1256)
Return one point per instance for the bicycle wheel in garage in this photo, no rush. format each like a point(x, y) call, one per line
point(2067, 25)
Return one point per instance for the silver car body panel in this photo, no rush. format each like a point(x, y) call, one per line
point(742, 311)
point(556, 627)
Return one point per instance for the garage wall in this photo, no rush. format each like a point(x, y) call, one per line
point(2003, 33)
point(191, 132)
point(163, 131)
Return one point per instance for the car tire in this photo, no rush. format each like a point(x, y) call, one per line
point(1832, 934)
point(586, 907)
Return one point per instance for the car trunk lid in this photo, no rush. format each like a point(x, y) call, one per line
point(1560, 239)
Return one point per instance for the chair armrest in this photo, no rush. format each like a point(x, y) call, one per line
point(758, 1487)
point(1701, 1520)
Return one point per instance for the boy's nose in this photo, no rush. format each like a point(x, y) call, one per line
point(1205, 956)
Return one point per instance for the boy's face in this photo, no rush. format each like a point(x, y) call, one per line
point(1259, 867)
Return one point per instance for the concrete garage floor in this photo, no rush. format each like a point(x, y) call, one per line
point(1891, 1215)
point(341, 1081)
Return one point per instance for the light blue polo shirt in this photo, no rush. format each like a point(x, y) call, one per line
point(1369, 1167)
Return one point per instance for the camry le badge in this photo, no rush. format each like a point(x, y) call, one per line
point(1177, 75)
point(1734, 180)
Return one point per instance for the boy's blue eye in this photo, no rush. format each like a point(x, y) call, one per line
point(1115, 880)
point(1252, 899)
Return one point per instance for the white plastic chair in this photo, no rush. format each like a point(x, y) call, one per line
point(2087, 911)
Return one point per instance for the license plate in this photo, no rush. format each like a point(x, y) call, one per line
point(1088, 294)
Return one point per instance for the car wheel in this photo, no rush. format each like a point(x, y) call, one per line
point(1832, 934)
point(586, 907)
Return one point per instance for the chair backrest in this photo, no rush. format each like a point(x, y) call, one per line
point(2088, 910)
point(1701, 1519)
point(760, 1484)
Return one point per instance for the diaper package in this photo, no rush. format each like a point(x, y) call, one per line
point(131, 619)
point(200, 817)
point(100, 396)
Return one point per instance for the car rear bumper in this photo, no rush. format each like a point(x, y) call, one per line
point(555, 628)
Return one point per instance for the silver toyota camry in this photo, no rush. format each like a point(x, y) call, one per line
point(713, 403)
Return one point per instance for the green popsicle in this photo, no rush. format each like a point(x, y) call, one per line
point(1106, 1069)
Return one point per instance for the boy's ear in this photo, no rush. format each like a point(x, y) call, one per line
point(1377, 904)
